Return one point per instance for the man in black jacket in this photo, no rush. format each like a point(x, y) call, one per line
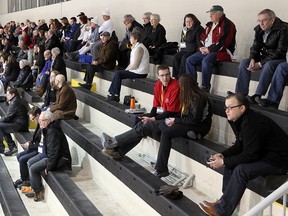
point(58, 62)
point(55, 153)
point(260, 149)
point(125, 47)
point(268, 50)
point(16, 119)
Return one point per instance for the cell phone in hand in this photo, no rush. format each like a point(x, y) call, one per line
point(209, 159)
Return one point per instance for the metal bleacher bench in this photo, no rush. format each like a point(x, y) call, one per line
point(196, 149)
point(134, 176)
point(199, 148)
point(68, 193)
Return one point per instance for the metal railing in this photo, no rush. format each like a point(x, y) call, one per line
point(269, 200)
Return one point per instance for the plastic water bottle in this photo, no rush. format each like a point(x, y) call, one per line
point(132, 103)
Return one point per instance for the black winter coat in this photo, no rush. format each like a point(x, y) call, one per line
point(24, 80)
point(59, 65)
point(17, 114)
point(192, 39)
point(157, 36)
point(257, 138)
point(56, 147)
point(275, 46)
point(12, 71)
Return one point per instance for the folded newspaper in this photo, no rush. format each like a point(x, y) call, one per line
point(136, 111)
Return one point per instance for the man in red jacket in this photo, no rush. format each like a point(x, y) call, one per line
point(218, 44)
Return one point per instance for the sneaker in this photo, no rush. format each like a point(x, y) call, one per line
point(113, 98)
point(161, 174)
point(39, 196)
point(107, 141)
point(111, 153)
point(12, 152)
point(18, 183)
point(85, 85)
point(26, 189)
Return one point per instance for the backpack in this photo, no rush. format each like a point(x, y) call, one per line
point(169, 48)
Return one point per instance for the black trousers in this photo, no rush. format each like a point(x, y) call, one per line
point(161, 132)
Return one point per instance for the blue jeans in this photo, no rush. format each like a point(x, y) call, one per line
point(207, 61)
point(266, 74)
point(115, 86)
point(36, 165)
point(278, 83)
point(235, 182)
point(23, 158)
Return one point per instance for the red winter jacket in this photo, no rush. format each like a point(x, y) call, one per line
point(223, 37)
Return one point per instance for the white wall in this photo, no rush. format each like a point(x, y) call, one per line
point(243, 13)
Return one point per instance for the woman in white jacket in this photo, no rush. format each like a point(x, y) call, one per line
point(137, 68)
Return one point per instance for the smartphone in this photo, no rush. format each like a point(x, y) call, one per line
point(209, 159)
point(167, 120)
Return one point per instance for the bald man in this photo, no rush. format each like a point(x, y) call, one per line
point(65, 105)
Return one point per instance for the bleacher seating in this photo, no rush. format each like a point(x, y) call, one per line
point(71, 197)
point(11, 202)
point(201, 148)
point(137, 178)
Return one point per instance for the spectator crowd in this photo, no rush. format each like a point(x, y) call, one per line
point(32, 57)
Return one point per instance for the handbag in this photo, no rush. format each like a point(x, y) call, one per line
point(127, 100)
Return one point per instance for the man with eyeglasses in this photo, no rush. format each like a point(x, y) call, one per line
point(165, 104)
point(267, 52)
point(53, 154)
point(147, 28)
point(260, 149)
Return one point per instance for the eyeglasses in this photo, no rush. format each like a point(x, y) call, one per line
point(42, 120)
point(229, 108)
point(33, 118)
point(263, 20)
point(164, 75)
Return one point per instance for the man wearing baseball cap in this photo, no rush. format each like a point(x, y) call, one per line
point(106, 60)
point(218, 44)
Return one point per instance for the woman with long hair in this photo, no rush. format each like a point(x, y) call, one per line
point(195, 118)
point(11, 71)
point(189, 43)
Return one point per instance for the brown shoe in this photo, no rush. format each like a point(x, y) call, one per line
point(208, 210)
point(210, 204)
point(39, 196)
point(111, 153)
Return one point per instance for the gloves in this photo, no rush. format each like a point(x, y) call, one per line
point(169, 191)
